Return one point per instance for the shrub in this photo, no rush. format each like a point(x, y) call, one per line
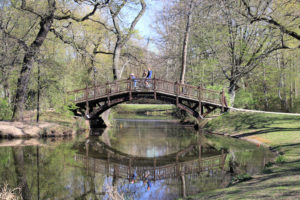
point(280, 159)
point(6, 111)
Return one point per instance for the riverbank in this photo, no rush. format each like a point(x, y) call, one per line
point(281, 133)
point(52, 124)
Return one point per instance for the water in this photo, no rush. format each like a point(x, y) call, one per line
point(157, 153)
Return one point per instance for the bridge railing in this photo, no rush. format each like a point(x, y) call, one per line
point(150, 85)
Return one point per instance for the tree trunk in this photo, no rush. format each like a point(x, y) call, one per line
point(116, 61)
point(38, 97)
point(265, 91)
point(6, 89)
point(185, 42)
point(45, 25)
point(282, 98)
point(231, 91)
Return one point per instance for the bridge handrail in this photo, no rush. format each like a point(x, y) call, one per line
point(174, 88)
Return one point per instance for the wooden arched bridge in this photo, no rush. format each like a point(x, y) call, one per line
point(197, 101)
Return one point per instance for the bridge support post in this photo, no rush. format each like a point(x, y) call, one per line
point(87, 109)
point(200, 99)
point(183, 184)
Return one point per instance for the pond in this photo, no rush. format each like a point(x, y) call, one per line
point(135, 159)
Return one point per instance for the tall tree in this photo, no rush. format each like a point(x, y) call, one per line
point(121, 37)
point(186, 40)
point(30, 52)
point(46, 20)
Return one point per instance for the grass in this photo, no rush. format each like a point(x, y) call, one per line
point(143, 111)
point(280, 180)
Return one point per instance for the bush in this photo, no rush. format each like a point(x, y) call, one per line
point(244, 99)
point(240, 178)
point(280, 159)
point(6, 111)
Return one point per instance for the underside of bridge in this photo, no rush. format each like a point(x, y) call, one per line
point(92, 109)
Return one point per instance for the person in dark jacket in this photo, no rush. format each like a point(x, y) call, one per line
point(149, 76)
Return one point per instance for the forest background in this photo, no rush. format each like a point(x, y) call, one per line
point(251, 48)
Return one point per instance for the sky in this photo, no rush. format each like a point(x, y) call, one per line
point(144, 24)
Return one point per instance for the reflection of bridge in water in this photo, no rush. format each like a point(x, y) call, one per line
point(100, 158)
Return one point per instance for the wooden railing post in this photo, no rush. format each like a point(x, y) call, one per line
point(154, 87)
point(94, 91)
point(130, 89)
point(222, 99)
point(86, 101)
point(108, 93)
point(177, 92)
point(200, 97)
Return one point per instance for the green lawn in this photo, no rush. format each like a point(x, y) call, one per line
point(279, 132)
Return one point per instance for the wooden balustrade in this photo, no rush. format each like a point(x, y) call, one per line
point(155, 86)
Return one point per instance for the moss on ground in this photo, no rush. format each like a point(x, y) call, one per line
point(280, 180)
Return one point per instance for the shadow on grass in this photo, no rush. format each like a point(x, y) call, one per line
point(269, 130)
point(287, 145)
point(242, 121)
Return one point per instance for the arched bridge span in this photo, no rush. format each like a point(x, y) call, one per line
point(197, 101)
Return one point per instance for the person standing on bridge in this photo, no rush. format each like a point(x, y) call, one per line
point(149, 76)
point(132, 77)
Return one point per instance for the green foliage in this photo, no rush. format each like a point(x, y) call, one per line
point(240, 178)
point(6, 111)
point(280, 159)
point(244, 99)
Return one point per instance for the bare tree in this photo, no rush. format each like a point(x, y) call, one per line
point(282, 15)
point(186, 40)
point(121, 37)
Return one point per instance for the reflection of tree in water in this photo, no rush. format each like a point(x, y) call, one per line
point(21, 172)
point(19, 168)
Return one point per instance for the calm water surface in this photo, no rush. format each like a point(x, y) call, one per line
point(137, 159)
